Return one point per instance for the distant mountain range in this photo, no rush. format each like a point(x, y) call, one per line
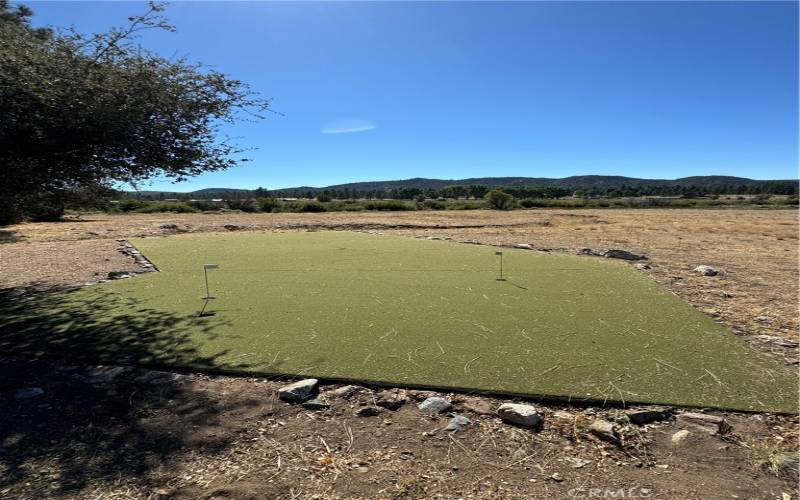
point(574, 182)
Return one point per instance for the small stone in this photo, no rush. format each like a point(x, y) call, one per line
point(457, 423)
point(368, 411)
point(434, 405)
point(421, 395)
point(118, 275)
point(347, 391)
point(298, 391)
point(645, 416)
point(392, 400)
point(28, 393)
point(706, 270)
point(765, 319)
point(679, 436)
point(622, 254)
point(604, 430)
point(524, 415)
point(557, 477)
point(642, 267)
point(317, 403)
point(526, 246)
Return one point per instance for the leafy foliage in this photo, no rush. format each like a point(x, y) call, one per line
point(93, 110)
point(500, 200)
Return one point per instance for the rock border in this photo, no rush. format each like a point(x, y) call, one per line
point(143, 264)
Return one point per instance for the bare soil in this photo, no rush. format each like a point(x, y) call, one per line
point(201, 436)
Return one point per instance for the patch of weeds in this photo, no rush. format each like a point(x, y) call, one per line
point(782, 463)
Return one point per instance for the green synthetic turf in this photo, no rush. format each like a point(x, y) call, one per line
point(408, 311)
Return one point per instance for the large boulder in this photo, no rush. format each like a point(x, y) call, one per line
point(298, 391)
point(519, 414)
point(434, 405)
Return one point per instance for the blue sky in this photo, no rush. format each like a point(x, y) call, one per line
point(375, 91)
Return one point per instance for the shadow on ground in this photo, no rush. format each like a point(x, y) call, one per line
point(7, 236)
point(96, 425)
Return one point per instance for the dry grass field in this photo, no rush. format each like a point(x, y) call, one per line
point(199, 436)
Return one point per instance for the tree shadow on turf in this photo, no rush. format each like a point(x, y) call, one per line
point(84, 430)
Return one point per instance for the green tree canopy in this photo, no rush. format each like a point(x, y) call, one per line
point(500, 200)
point(81, 110)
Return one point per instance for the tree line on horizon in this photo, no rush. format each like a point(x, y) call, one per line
point(477, 192)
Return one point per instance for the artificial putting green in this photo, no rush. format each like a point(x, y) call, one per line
point(397, 310)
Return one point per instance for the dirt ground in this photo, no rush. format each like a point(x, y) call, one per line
point(202, 436)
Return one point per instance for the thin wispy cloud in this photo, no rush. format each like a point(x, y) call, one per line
point(348, 126)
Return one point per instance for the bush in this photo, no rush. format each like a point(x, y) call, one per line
point(387, 205)
point(500, 200)
point(434, 205)
point(204, 205)
point(45, 208)
point(304, 206)
point(130, 204)
point(243, 205)
point(268, 204)
point(181, 208)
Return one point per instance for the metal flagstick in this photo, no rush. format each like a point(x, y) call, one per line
point(208, 296)
point(501, 266)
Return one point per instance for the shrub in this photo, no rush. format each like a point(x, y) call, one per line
point(130, 204)
point(268, 204)
point(181, 208)
point(304, 206)
point(204, 205)
point(500, 200)
point(243, 205)
point(434, 205)
point(45, 208)
point(387, 205)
